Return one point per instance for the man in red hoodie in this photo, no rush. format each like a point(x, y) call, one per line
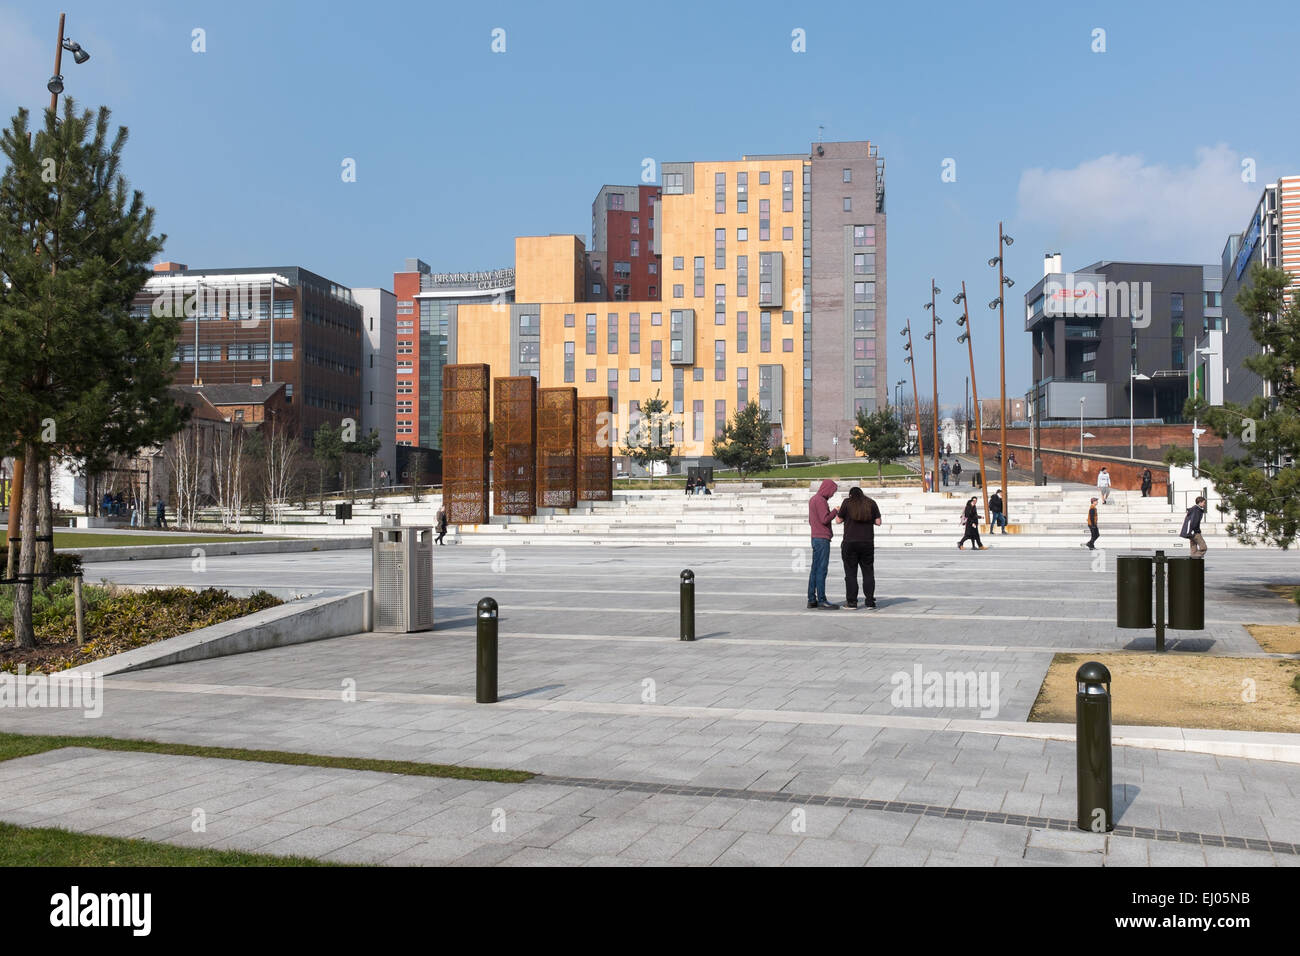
point(820, 516)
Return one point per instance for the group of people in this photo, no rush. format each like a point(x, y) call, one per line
point(697, 485)
point(859, 515)
point(1190, 531)
point(120, 506)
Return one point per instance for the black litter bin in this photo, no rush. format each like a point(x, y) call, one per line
point(1133, 591)
point(1187, 594)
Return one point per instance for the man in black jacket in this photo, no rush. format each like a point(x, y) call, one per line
point(1092, 526)
point(1192, 528)
point(996, 517)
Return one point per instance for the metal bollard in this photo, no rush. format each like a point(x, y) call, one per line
point(1093, 759)
point(1160, 601)
point(688, 605)
point(487, 652)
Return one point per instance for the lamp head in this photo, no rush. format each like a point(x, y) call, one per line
point(78, 54)
point(958, 298)
point(995, 260)
point(1008, 281)
point(55, 85)
point(995, 303)
point(1008, 240)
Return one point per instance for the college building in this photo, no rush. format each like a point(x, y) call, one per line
point(761, 279)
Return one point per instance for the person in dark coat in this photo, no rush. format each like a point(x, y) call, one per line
point(956, 472)
point(160, 513)
point(970, 517)
point(946, 470)
point(1146, 482)
point(997, 517)
point(442, 524)
point(859, 515)
point(1092, 526)
point(820, 516)
point(1191, 529)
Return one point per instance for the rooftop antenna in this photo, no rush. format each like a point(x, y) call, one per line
point(820, 129)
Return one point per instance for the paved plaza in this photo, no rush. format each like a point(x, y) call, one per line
point(772, 739)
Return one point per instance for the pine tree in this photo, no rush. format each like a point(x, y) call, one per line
point(1261, 489)
point(880, 438)
point(746, 442)
point(82, 377)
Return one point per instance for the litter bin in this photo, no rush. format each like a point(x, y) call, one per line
point(401, 576)
point(1133, 591)
point(1187, 594)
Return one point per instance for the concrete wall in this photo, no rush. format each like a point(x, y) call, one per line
point(378, 381)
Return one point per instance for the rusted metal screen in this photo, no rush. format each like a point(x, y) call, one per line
point(557, 447)
point(595, 449)
point(464, 443)
point(514, 446)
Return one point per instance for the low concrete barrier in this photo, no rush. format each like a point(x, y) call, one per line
point(297, 622)
point(150, 552)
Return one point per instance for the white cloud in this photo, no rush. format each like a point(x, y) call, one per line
point(1148, 209)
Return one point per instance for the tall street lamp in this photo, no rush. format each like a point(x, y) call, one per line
point(998, 303)
point(1197, 431)
point(1082, 400)
point(897, 408)
point(964, 321)
point(1133, 376)
point(933, 336)
point(916, 400)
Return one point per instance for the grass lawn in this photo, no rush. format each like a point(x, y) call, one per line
point(21, 846)
point(81, 539)
point(839, 469)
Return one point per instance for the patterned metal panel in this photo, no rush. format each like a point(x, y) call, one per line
point(514, 446)
point(557, 447)
point(595, 449)
point(464, 443)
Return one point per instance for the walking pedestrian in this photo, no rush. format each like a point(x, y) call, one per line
point(946, 470)
point(820, 516)
point(160, 513)
point(859, 515)
point(1103, 485)
point(1192, 528)
point(975, 480)
point(1146, 482)
point(442, 523)
point(1011, 460)
point(997, 517)
point(956, 472)
point(970, 517)
point(1092, 526)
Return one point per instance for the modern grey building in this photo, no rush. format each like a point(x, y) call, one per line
point(1095, 330)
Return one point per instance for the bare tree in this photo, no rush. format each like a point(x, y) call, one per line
point(184, 454)
point(227, 474)
point(280, 468)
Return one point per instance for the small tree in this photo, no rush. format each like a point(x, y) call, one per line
point(415, 475)
point(649, 440)
point(1262, 488)
point(746, 442)
point(880, 437)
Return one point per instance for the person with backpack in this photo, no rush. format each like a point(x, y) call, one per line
point(820, 516)
point(1146, 482)
point(956, 472)
point(1092, 527)
point(1191, 529)
point(970, 517)
point(442, 523)
point(997, 518)
point(859, 515)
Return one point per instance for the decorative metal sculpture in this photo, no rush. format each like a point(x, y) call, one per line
point(465, 452)
point(595, 449)
point(557, 447)
point(514, 446)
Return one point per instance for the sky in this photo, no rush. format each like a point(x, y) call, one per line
point(1117, 131)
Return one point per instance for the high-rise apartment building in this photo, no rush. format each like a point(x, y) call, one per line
point(771, 288)
point(624, 265)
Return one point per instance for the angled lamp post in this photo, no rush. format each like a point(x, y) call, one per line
point(933, 336)
point(916, 400)
point(964, 321)
point(1003, 283)
point(1133, 376)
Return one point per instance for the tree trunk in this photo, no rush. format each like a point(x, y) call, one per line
point(24, 635)
point(44, 523)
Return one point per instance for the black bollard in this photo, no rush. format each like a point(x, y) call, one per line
point(1160, 600)
point(688, 605)
point(487, 652)
point(1093, 759)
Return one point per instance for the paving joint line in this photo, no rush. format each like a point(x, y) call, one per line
point(1159, 835)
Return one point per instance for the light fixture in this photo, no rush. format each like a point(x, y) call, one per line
point(957, 299)
point(78, 54)
point(928, 306)
point(1008, 240)
point(929, 335)
point(55, 85)
point(961, 339)
point(1008, 280)
point(907, 358)
point(995, 260)
point(935, 289)
point(995, 303)
point(961, 320)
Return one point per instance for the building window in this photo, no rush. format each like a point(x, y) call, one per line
point(634, 375)
point(212, 353)
point(591, 375)
point(591, 333)
point(719, 248)
point(787, 345)
point(405, 307)
point(530, 353)
point(636, 225)
point(673, 184)
point(656, 318)
point(764, 220)
point(634, 333)
point(720, 304)
point(699, 277)
point(787, 318)
point(1090, 376)
point(611, 338)
point(864, 349)
point(636, 247)
point(719, 360)
point(864, 235)
point(568, 320)
point(787, 232)
point(679, 390)
point(742, 331)
point(656, 361)
point(864, 292)
point(615, 201)
point(595, 288)
point(864, 320)
point(622, 270)
point(719, 416)
point(764, 178)
point(1089, 356)
point(679, 291)
point(864, 376)
point(864, 263)
point(1176, 303)
point(742, 387)
point(848, 175)
point(697, 374)
point(848, 204)
point(697, 416)
point(719, 192)
point(787, 191)
point(569, 348)
point(742, 235)
point(765, 331)
point(679, 263)
point(742, 192)
point(613, 389)
point(742, 276)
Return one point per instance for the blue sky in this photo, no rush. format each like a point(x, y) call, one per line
point(1131, 153)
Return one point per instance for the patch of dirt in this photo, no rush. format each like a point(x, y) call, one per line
point(1181, 690)
point(1276, 638)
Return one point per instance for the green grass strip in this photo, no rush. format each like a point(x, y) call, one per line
point(24, 745)
point(47, 846)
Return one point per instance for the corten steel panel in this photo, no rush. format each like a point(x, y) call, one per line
point(595, 457)
point(514, 446)
point(557, 447)
point(464, 443)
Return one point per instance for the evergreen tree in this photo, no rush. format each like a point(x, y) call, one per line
point(82, 377)
point(650, 440)
point(327, 448)
point(1261, 489)
point(880, 438)
point(746, 442)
